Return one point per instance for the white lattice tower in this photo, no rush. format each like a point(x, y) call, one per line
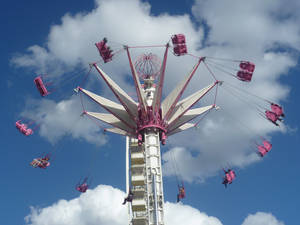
point(146, 175)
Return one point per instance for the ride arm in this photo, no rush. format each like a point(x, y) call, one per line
point(171, 100)
point(138, 87)
point(116, 130)
point(128, 103)
point(111, 120)
point(181, 128)
point(158, 92)
point(184, 105)
point(190, 115)
point(114, 108)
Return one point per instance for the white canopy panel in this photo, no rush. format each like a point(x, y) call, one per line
point(129, 104)
point(118, 131)
point(115, 108)
point(182, 128)
point(174, 96)
point(185, 104)
point(188, 116)
point(110, 119)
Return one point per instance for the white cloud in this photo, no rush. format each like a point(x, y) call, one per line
point(256, 30)
point(202, 165)
point(103, 206)
point(256, 24)
point(72, 41)
point(261, 218)
point(177, 214)
point(39, 60)
point(63, 118)
point(99, 206)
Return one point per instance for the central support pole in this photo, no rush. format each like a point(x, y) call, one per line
point(146, 173)
point(154, 177)
point(146, 182)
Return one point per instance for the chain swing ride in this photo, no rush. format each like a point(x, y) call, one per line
point(151, 120)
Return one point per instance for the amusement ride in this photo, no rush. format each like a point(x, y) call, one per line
point(148, 122)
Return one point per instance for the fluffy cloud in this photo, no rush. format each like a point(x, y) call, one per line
point(266, 33)
point(183, 214)
point(63, 118)
point(99, 206)
point(259, 25)
point(202, 165)
point(102, 206)
point(261, 218)
point(72, 41)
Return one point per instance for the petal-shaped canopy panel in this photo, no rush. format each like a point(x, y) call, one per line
point(119, 131)
point(185, 104)
point(111, 120)
point(171, 100)
point(128, 103)
point(181, 128)
point(114, 108)
point(188, 116)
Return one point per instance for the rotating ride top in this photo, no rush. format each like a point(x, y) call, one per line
point(149, 121)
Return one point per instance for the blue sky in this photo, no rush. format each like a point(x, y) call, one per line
point(268, 186)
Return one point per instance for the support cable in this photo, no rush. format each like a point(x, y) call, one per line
point(209, 70)
point(147, 46)
point(222, 70)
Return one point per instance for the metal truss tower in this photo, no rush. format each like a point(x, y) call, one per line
point(147, 124)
